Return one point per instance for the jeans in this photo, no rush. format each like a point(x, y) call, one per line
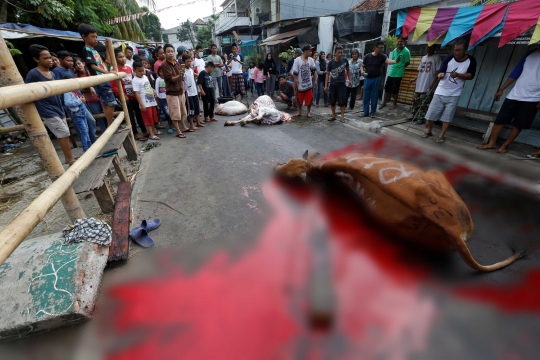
point(260, 88)
point(351, 92)
point(319, 90)
point(135, 116)
point(91, 122)
point(225, 86)
point(251, 85)
point(270, 85)
point(371, 94)
point(164, 111)
point(208, 104)
point(96, 109)
point(81, 124)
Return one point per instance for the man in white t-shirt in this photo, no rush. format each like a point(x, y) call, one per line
point(305, 77)
point(521, 105)
point(235, 63)
point(425, 80)
point(454, 71)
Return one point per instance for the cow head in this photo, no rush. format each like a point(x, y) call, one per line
point(296, 169)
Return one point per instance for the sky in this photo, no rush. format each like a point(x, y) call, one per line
point(173, 17)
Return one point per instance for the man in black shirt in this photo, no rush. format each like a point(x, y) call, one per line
point(371, 70)
point(335, 71)
point(207, 90)
point(286, 91)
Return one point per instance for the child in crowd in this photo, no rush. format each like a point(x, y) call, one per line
point(258, 75)
point(206, 87)
point(92, 100)
point(55, 60)
point(146, 97)
point(245, 74)
point(251, 76)
point(148, 71)
point(162, 96)
point(95, 65)
point(50, 109)
point(283, 67)
point(191, 90)
point(74, 101)
point(134, 112)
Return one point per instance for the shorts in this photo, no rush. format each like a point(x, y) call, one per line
point(338, 94)
point(520, 114)
point(58, 126)
point(305, 97)
point(193, 106)
point(286, 99)
point(442, 108)
point(150, 116)
point(392, 85)
point(105, 94)
point(237, 87)
point(177, 106)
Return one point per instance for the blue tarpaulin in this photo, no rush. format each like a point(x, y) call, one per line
point(27, 28)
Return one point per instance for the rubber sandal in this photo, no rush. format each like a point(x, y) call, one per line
point(181, 136)
point(364, 115)
point(140, 236)
point(372, 116)
point(170, 131)
point(342, 120)
point(426, 135)
point(154, 138)
point(189, 130)
point(393, 107)
point(382, 106)
point(440, 140)
point(159, 133)
point(533, 156)
point(214, 120)
point(150, 225)
point(332, 119)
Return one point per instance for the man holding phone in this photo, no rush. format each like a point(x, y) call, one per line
point(455, 70)
point(235, 62)
point(393, 82)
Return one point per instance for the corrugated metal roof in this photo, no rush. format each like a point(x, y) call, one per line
point(402, 4)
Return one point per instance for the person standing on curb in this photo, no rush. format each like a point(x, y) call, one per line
point(425, 81)
point(235, 62)
point(270, 71)
point(521, 105)
point(393, 82)
point(355, 66)
point(218, 70)
point(335, 75)
point(371, 70)
point(454, 71)
point(303, 71)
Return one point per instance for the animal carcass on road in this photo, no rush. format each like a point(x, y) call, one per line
point(421, 207)
point(262, 111)
point(231, 108)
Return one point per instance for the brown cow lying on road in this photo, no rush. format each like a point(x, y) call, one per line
point(419, 206)
point(262, 111)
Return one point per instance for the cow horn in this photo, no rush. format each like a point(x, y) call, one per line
point(305, 156)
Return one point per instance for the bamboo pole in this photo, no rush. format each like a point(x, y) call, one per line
point(14, 233)
point(7, 129)
point(120, 85)
point(9, 75)
point(26, 93)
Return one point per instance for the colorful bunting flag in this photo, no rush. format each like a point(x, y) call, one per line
point(536, 35)
point(490, 22)
point(463, 22)
point(410, 21)
point(424, 22)
point(401, 16)
point(441, 24)
point(522, 16)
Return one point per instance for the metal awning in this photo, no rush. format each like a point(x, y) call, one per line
point(284, 37)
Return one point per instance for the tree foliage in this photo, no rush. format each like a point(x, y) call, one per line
point(186, 32)
point(150, 25)
point(204, 33)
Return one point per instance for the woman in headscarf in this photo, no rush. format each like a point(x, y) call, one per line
point(270, 71)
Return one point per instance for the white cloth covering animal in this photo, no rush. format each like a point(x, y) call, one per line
point(231, 108)
point(262, 111)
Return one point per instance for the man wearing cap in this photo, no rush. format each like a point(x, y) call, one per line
point(180, 52)
point(303, 71)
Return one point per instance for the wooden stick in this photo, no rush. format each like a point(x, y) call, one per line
point(26, 93)
point(14, 233)
point(120, 85)
point(9, 75)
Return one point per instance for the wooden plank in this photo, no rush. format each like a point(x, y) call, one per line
point(468, 89)
point(119, 169)
point(116, 142)
point(131, 149)
point(519, 53)
point(119, 249)
point(476, 114)
point(104, 197)
point(483, 74)
point(93, 176)
point(495, 77)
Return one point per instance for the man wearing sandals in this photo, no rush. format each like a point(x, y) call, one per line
point(305, 78)
point(393, 82)
point(521, 105)
point(455, 70)
point(336, 71)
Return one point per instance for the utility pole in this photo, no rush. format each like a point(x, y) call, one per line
point(214, 22)
point(386, 21)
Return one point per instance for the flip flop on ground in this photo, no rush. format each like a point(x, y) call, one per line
point(427, 135)
point(440, 140)
point(181, 136)
point(534, 156)
point(332, 119)
point(154, 138)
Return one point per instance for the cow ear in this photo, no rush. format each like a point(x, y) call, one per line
point(314, 156)
point(305, 156)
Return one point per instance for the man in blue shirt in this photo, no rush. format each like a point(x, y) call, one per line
point(50, 109)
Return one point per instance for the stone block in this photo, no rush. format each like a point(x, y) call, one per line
point(45, 285)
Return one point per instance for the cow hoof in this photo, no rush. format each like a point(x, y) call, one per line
point(243, 123)
point(228, 123)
